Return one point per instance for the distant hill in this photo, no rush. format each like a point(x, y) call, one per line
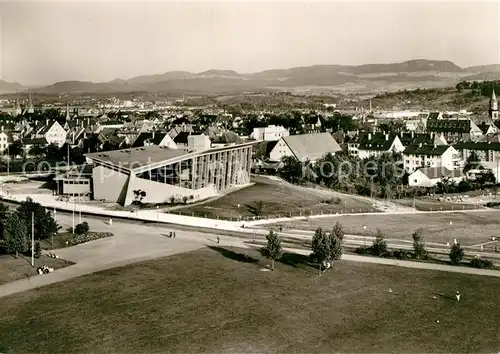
point(408, 74)
point(9, 87)
point(493, 68)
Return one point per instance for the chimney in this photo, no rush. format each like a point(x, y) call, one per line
point(153, 134)
point(81, 123)
point(369, 136)
point(420, 145)
point(88, 121)
point(386, 137)
point(412, 134)
point(47, 121)
point(435, 145)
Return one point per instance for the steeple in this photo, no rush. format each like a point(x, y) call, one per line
point(68, 117)
point(30, 104)
point(493, 111)
point(17, 107)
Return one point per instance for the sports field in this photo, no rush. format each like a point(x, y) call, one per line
point(218, 301)
point(469, 228)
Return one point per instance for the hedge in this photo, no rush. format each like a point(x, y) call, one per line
point(90, 236)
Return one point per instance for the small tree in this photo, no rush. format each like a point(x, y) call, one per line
point(185, 199)
point(38, 249)
point(273, 249)
point(456, 253)
point(379, 247)
point(418, 244)
point(336, 241)
point(82, 228)
point(320, 248)
point(15, 235)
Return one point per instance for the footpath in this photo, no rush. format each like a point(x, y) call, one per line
point(94, 257)
point(50, 202)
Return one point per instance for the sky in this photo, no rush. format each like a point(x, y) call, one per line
point(44, 42)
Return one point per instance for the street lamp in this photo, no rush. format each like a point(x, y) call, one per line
point(364, 228)
point(239, 216)
point(158, 214)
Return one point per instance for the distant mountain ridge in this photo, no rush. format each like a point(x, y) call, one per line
point(7, 87)
point(407, 74)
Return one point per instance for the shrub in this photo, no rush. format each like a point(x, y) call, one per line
point(478, 262)
point(38, 249)
point(89, 236)
point(185, 199)
point(363, 250)
point(379, 247)
point(419, 250)
point(456, 254)
point(401, 254)
point(82, 228)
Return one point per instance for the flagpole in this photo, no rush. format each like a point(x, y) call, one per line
point(74, 203)
point(32, 239)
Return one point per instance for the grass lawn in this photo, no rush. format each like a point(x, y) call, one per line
point(469, 228)
point(18, 268)
point(277, 198)
point(430, 204)
point(216, 300)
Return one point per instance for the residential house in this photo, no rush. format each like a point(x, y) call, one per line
point(181, 140)
point(374, 144)
point(52, 131)
point(417, 156)
point(154, 138)
point(269, 133)
point(5, 141)
point(486, 151)
point(30, 143)
point(488, 128)
point(311, 124)
point(226, 138)
point(455, 130)
point(305, 147)
point(431, 176)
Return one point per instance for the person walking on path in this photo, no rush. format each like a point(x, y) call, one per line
point(457, 295)
point(218, 239)
point(174, 234)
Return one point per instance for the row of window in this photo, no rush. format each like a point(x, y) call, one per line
point(77, 182)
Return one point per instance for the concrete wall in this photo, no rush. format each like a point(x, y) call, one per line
point(198, 142)
point(109, 185)
point(157, 192)
point(77, 189)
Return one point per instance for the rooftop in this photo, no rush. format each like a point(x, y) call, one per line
point(312, 146)
point(437, 150)
point(134, 158)
point(137, 157)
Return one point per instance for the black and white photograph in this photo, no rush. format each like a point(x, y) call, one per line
point(249, 177)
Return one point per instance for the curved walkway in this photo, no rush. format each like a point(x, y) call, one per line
point(141, 243)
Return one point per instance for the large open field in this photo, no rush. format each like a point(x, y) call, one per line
point(278, 197)
point(468, 227)
point(216, 300)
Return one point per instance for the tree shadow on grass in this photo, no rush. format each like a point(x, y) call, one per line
point(240, 257)
point(297, 260)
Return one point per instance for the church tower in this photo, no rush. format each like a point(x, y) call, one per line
point(68, 117)
point(30, 104)
point(17, 107)
point(493, 111)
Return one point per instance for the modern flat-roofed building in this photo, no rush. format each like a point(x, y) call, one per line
point(154, 174)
